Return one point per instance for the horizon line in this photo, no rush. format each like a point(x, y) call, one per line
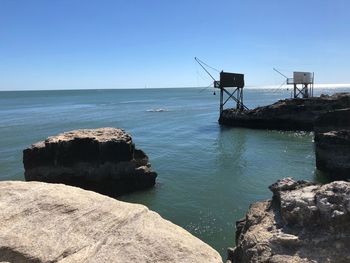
point(316, 86)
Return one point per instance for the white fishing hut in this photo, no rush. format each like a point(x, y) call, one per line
point(303, 84)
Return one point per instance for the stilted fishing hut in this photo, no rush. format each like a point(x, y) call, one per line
point(303, 83)
point(231, 80)
point(228, 80)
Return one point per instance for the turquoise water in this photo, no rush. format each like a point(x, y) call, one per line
point(207, 174)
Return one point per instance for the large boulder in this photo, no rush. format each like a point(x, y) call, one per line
point(104, 160)
point(43, 222)
point(304, 222)
point(289, 114)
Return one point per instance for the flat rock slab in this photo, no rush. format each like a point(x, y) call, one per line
point(43, 222)
point(104, 160)
point(289, 114)
point(303, 222)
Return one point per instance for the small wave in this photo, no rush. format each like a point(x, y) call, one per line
point(135, 101)
point(157, 110)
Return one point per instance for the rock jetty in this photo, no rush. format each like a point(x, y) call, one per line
point(42, 223)
point(288, 114)
point(104, 160)
point(303, 222)
point(332, 144)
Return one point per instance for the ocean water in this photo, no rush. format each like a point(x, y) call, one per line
point(207, 174)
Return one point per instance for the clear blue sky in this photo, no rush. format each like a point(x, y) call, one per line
point(67, 44)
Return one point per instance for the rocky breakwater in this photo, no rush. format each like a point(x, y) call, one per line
point(43, 222)
point(104, 160)
point(302, 223)
point(288, 114)
point(332, 143)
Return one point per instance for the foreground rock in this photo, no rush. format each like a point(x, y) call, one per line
point(289, 114)
point(104, 160)
point(302, 223)
point(56, 223)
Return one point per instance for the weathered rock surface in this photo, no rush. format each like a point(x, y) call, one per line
point(104, 160)
point(303, 222)
point(289, 114)
point(42, 222)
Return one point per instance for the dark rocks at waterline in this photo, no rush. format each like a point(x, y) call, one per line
point(288, 114)
point(303, 222)
point(332, 144)
point(333, 153)
point(104, 160)
point(333, 121)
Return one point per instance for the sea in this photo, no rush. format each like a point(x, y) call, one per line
point(208, 175)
